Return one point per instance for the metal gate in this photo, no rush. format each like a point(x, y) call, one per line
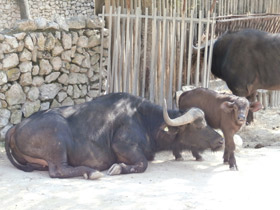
point(153, 56)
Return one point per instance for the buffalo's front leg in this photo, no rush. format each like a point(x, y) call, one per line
point(131, 159)
point(229, 154)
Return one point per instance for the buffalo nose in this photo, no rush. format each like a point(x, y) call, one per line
point(241, 117)
point(221, 141)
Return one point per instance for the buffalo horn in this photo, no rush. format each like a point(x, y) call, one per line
point(188, 117)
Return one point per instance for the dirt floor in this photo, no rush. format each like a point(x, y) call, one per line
point(167, 184)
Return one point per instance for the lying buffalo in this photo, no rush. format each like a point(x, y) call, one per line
point(118, 131)
point(247, 60)
point(224, 111)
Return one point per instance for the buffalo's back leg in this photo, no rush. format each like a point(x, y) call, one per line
point(196, 155)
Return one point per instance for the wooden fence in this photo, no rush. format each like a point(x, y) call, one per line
point(152, 56)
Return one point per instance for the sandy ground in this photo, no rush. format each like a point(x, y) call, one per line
point(167, 184)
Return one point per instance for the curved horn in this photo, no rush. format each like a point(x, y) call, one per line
point(195, 49)
point(188, 117)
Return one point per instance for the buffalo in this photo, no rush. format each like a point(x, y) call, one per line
point(247, 60)
point(222, 111)
point(118, 131)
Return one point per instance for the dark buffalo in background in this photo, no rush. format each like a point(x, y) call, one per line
point(247, 60)
point(222, 111)
point(119, 132)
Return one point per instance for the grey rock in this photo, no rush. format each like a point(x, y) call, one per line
point(4, 131)
point(25, 66)
point(52, 77)
point(68, 102)
point(25, 25)
point(57, 50)
point(63, 79)
point(76, 78)
point(94, 22)
point(76, 23)
point(62, 23)
point(20, 36)
point(83, 41)
point(66, 41)
point(35, 70)
point(66, 55)
point(50, 42)
point(33, 94)
point(25, 55)
point(61, 96)
point(45, 67)
point(16, 116)
point(41, 23)
point(10, 61)
point(15, 95)
point(41, 41)
point(94, 41)
point(45, 106)
point(12, 41)
point(55, 104)
point(28, 43)
point(3, 78)
point(78, 59)
point(13, 74)
point(25, 79)
point(38, 81)
point(30, 107)
point(56, 63)
point(49, 91)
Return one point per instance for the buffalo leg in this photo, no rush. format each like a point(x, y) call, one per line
point(177, 153)
point(66, 171)
point(196, 155)
point(250, 116)
point(131, 159)
point(229, 153)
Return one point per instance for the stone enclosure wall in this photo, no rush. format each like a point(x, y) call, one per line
point(48, 9)
point(49, 64)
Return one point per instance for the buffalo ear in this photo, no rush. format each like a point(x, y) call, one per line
point(255, 106)
point(227, 106)
point(168, 129)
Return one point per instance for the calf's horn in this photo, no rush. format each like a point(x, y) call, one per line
point(188, 117)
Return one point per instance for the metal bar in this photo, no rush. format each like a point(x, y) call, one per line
point(145, 53)
point(204, 74)
point(127, 48)
point(101, 54)
point(135, 67)
point(109, 76)
point(169, 98)
point(152, 70)
point(197, 73)
point(163, 53)
point(211, 49)
point(190, 50)
point(183, 35)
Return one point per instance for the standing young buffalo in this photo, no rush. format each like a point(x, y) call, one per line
point(224, 111)
point(119, 132)
point(247, 60)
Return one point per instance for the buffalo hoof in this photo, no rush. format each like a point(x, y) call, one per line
point(199, 159)
point(115, 169)
point(93, 175)
point(179, 159)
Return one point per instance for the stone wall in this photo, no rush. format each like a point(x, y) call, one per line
point(48, 9)
point(49, 64)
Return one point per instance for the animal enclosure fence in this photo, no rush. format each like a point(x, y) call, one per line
point(152, 55)
point(151, 52)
